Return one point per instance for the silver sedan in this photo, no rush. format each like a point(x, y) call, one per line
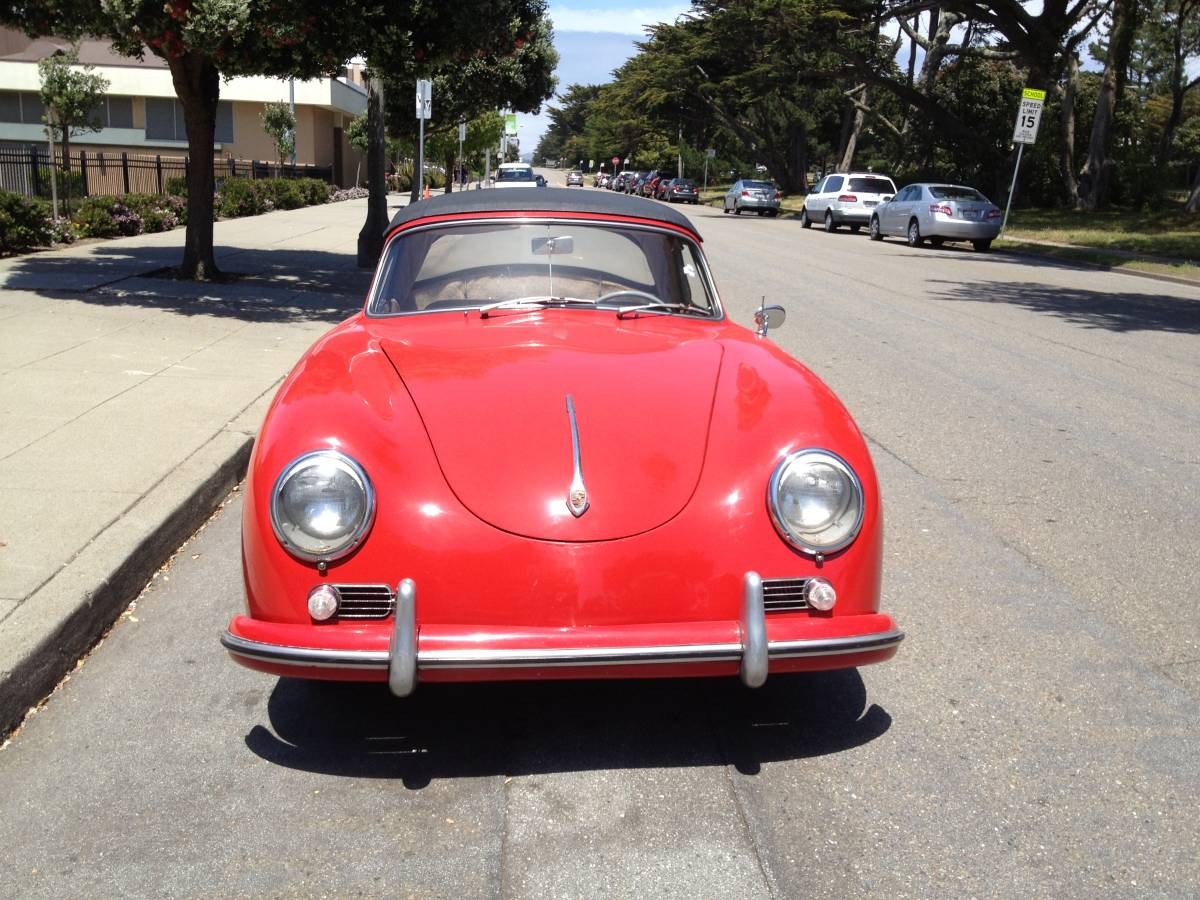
point(938, 213)
point(761, 197)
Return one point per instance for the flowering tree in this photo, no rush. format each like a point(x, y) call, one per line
point(201, 40)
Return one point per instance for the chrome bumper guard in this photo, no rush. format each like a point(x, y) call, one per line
point(402, 659)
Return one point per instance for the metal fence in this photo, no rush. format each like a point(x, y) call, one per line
point(26, 170)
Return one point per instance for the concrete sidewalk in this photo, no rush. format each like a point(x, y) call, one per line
point(128, 407)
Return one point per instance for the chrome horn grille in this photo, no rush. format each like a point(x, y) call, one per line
point(366, 601)
point(784, 594)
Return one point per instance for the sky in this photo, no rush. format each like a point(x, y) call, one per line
point(591, 42)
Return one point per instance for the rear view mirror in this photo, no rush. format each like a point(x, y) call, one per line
point(768, 317)
point(547, 246)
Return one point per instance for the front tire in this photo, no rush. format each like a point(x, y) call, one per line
point(873, 229)
point(982, 246)
point(805, 221)
point(830, 225)
point(914, 234)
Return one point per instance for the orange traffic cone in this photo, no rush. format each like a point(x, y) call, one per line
point(426, 192)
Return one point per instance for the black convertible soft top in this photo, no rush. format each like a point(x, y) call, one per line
point(542, 200)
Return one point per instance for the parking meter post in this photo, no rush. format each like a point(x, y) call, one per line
point(1012, 189)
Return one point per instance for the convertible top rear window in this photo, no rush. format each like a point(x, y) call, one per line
point(467, 266)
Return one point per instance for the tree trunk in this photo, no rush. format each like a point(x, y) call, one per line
point(370, 239)
point(851, 139)
point(1066, 136)
point(198, 87)
point(797, 158)
point(1096, 181)
point(451, 166)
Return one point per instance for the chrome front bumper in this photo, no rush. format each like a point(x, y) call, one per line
point(403, 658)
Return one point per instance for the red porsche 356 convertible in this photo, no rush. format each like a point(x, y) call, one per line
point(542, 451)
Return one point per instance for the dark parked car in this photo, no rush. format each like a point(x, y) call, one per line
point(678, 190)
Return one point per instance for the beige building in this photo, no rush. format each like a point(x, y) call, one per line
point(141, 115)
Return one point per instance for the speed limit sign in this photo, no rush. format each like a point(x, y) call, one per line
point(1029, 116)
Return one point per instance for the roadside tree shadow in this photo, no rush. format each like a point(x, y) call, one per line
point(271, 285)
point(523, 728)
point(1120, 311)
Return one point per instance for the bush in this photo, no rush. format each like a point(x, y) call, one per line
point(286, 193)
point(241, 197)
point(315, 191)
point(24, 222)
point(177, 186)
point(93, 217)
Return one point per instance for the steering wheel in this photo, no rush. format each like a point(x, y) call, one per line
point(628, 292)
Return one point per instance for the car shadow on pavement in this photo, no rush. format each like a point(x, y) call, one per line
point(271, 285)
point(523, 728)
point(1121, 311)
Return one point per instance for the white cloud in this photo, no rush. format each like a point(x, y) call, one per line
point(614, 20)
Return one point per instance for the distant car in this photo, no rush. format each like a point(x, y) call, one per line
point(679, 190)
point(938, 213)
point(516, 175)
point(761, 197)
point(652, 180)
point(542, 450)
point(574, 178)
point(845, 198)
point(618, 182)
point(632, 184)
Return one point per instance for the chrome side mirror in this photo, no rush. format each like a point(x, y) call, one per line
point(768, 317)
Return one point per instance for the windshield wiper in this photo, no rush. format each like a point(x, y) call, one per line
point(538, 302)
point(665, 308)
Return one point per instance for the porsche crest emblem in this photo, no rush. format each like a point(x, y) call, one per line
point(577, 496)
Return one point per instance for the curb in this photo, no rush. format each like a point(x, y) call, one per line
point(65, 617)
point(1095, 267)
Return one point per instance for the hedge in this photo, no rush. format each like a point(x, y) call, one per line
point(26, 222)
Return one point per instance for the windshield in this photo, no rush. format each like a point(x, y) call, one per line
point(950, 192)
point(685, 183)
point(515, 175)
point(469, 266)
point(759, 185)
point(872, 185)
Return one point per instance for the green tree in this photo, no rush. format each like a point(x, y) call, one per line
point(201, 40)
point(279, 122)
point(467, 85)
point(71, 96)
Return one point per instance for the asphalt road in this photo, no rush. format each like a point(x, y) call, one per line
point(1035, 428)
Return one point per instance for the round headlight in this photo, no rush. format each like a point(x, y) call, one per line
point(816, 501)
point(322, 505)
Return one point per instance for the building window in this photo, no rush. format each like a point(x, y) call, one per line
point(164, 121)
point(118, 112)
point(10, 106)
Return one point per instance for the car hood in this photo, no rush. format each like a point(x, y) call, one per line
point(493, 392)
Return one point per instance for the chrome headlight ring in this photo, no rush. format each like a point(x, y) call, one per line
point(308, 543)
point(843, 523)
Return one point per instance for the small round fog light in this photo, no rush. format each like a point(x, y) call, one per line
point(820, 594)
point(323, 602)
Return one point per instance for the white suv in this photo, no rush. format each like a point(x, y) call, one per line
point(846, 198)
